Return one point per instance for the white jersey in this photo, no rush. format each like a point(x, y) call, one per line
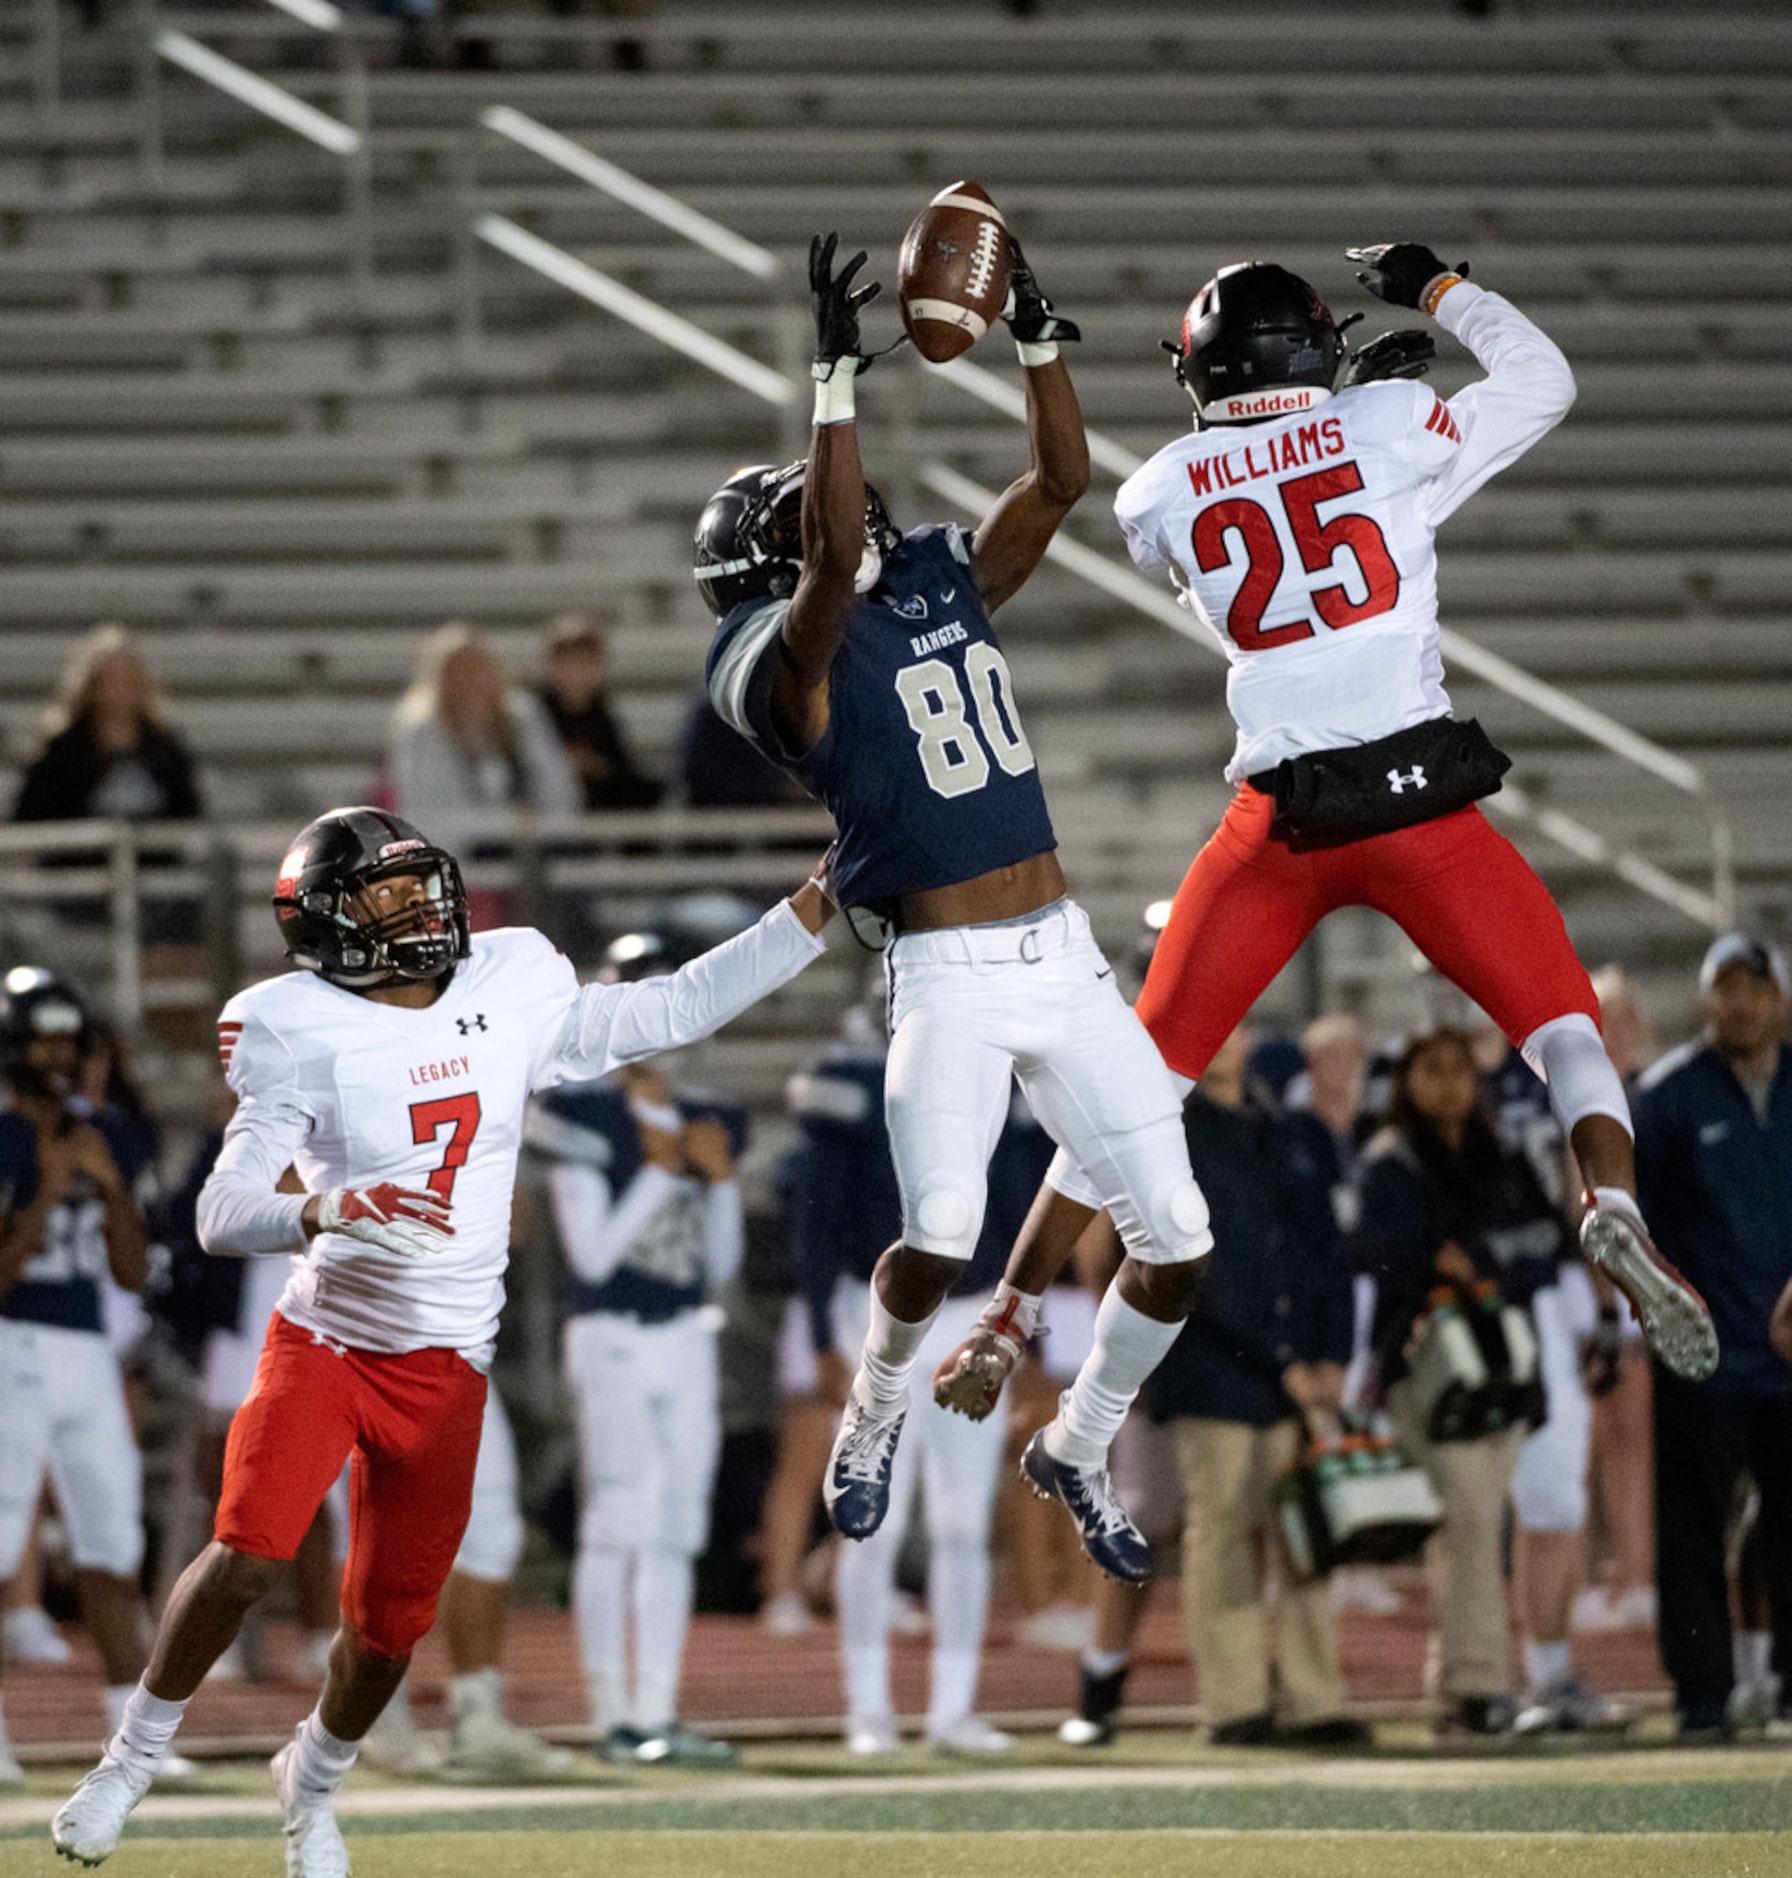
point(352, 1093)
point(1305, 545)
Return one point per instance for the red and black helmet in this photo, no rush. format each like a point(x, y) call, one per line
point(327, 870)
point(1256, 342)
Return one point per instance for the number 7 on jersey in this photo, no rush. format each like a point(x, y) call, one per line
point(428, 1119)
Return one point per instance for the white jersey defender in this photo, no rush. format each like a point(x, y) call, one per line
point(1306, 544)
point(354, 1093)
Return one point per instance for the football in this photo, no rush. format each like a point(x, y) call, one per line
point(952, 276)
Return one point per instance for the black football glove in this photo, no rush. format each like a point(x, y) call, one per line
point(837, 303)
point(1028, 312)
point(1407, 353)
point(1400, 271)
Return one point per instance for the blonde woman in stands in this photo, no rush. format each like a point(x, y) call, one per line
point(466, 743)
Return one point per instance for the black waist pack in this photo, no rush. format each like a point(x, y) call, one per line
point(1414, 776)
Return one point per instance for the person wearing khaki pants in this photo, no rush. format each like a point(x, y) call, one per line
point(1472, 1479)
point(1229, 1471)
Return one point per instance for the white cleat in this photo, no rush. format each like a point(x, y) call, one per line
point(492, 1747)
point(314, 1847)
point(88, 1822)
point(1673, 1315)
point(871, 1736)
point(970, 1736)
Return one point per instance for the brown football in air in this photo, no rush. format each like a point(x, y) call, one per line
point(952, 275)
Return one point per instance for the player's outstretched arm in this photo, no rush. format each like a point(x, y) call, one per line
point(833, 517)
point(612, 1024)
point(1014, 535)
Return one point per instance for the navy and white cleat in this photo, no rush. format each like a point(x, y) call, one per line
point(1673, 1315)
point(857, 1484)
point(1109, 1536)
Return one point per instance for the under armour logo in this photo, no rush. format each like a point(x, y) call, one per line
point(1397, 783)
point(468, 1025)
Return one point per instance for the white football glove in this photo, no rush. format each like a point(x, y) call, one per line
point(396, 1219)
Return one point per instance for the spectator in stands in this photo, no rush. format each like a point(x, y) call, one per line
point(109, 751)
point(469, 755)
point(1444, 1203)
point(577, 697)
point(1714, 1164)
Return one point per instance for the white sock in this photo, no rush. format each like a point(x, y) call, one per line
point(664, 1581)
point(321, 1759)
point(477, 1692)
point(958, 1602)
point(1128, 1347)
point(863, 1589)
point(1616, 1200)
point(890, 1350)
point(144, 1725)
point(867, 1667)
point(1545, 1665)
point(600, 1609)
point(1752, 1653)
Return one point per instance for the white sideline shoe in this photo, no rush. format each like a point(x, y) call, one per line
point(314, 1847)
point(88, 1822)
point(970, 1736)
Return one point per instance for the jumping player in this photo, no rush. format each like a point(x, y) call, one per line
point(392, 1073)
point(1297, 525)
point(862, 661)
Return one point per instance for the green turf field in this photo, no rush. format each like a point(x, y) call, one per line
point(1152, 1806)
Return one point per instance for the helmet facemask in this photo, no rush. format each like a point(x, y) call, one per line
point(390, 936)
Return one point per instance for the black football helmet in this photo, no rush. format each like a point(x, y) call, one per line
point(35, 1003)
point(330, 929)
point(1256, 342)
point(749, 536)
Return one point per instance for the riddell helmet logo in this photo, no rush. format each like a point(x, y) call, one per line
point(410, 845)
point(1278, 402)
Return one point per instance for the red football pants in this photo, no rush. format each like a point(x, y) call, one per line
point(412, 1425)
point(1460, 891)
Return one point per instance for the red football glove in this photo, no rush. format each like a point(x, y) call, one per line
point(396, 1219)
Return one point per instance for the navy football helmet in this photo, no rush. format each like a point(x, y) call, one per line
point(331, 922)
point(36, 1003)
point(749, 536)
point(1256, 342)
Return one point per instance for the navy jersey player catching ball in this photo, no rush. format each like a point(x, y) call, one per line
point(863, 661)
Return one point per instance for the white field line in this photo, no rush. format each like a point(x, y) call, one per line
point(412, 1801)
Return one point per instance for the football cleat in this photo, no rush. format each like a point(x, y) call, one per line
point(620, 1745)
point(857, 1485)
point(314, 1847)
point(970, 1737)
point(492, 1747)
point(871, 1736)
point(675, 1745)
point(1672, 1314)
point(970, 1380)
point(1109, 1536)
point(87, 1824)
point(1570, 1708)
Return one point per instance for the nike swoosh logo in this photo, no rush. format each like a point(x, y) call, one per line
point(1107, 974)
point(949, 595)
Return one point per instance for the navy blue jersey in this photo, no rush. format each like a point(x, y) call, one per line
point(924, 763)
point(663, 1271)
point(61, 1284)
point(843, 1205)
point(1519, 1103)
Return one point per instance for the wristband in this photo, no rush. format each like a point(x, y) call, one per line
point(834, 402)
point(1435, 289)
point(1036, 351)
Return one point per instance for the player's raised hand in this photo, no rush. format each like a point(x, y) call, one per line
point(1030, 315)
point(837, 303)
point(397, 1219)
point(1408, 353)
point(1402, 272)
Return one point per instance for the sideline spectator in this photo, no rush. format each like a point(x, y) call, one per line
point(109, 752)
point(1714, 1160)
point(464, 743)
point(577, 697)
point(1444, 1203)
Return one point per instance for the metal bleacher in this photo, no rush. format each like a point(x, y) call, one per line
point(282, 473)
